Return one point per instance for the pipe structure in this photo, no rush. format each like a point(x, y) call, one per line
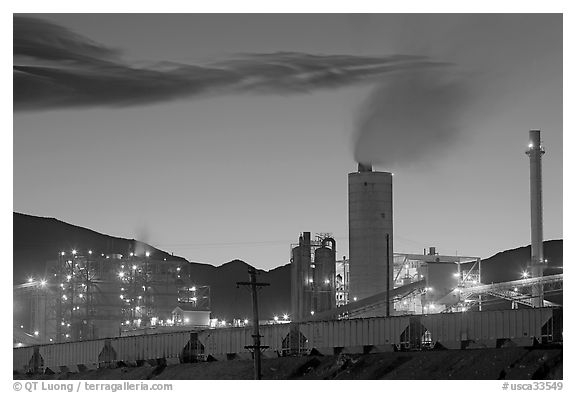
point(537, 262)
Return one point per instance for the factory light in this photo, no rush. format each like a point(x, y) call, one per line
point(177, 269)
point(456, 275)
point(355, 298)
point(121, 274)
point(127, 322)
point(19, 344)
point(121, 296)
point(312, 312)
point(67, 325)
point(245, 322)
point(531, 145)
point(139, 296)
point(285, 316)
point(223, 323)
point(525, 274)
point(68, 277)
point(515, 289)
point(464, 308)
point(131, 254)
point(137, 308)
point(193, 288)
point(36, 333)
point(194, 298)
point(30, 279)
point(275, 318)
point(62, 253)
point(90, 252)
point(21, 326)
point(186, 320)
point(74, 252)
point(67, 335)
point(51, 340)
point(62, 323)
point(81, 296)
point(310, 280)
point(147, 253)
point(326, 281)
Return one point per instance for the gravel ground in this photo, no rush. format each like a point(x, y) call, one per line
point(504, 363)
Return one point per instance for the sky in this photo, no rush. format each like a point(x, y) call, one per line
point(221, 137)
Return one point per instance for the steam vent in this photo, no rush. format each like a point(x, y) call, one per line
point(370, 232)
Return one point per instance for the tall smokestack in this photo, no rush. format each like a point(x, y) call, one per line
point(537, 264)
point(370, 232)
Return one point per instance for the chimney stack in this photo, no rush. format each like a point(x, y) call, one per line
point(535, 152)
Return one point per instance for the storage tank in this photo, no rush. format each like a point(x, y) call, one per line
point(370, 232)
point(302, 282)
point(324, 277)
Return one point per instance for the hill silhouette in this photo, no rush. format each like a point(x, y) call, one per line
point(37, 240)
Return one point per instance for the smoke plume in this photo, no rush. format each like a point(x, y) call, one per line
point(411, 116)
point(57, 68)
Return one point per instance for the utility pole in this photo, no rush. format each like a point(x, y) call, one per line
point(256, 332)
point(387, 274)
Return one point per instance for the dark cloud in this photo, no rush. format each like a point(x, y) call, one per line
point(410, 117)
point(54, 67)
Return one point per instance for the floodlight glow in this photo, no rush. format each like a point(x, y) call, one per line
point(147, 253)
point(74, 252)
point(285, 316)
point(276, 318)
point(525, 274)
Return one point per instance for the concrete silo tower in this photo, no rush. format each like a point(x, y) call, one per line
point(370, 232)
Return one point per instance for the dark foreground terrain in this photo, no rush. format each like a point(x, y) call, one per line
point(503, 363)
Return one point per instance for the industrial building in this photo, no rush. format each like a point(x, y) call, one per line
point(377, 282)
point(377, 300)
point(86, 295)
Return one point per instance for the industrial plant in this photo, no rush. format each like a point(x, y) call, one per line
point(375, 300)
point(377, 282)
point(89, 296)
